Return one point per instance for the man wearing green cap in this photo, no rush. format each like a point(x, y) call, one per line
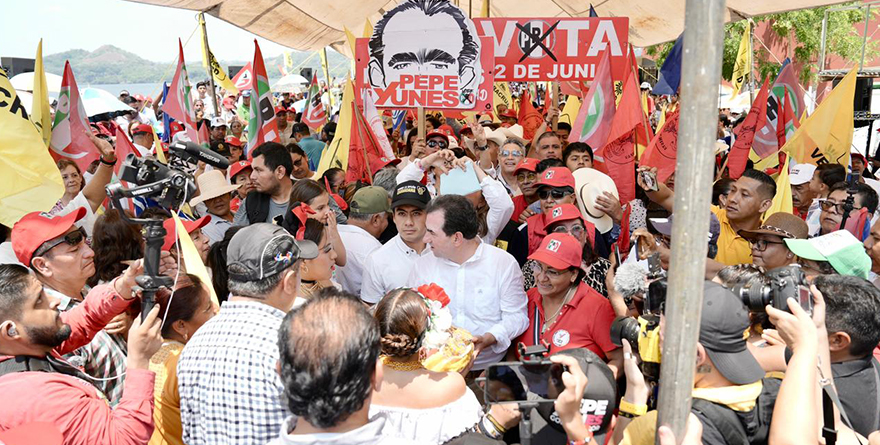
point(366, 222)
point(840, 249)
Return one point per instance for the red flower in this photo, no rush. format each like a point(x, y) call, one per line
point(434, 292)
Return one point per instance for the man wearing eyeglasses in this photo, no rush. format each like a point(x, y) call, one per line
point(833, 210)
point(56, 250)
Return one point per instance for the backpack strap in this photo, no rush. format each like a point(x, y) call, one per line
point(23, 363)
point(723, 419)
point(257, 207)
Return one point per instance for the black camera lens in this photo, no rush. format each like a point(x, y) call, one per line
point(625, 328)
point(754, 297)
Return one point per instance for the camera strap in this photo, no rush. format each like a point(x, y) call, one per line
point(829, 401)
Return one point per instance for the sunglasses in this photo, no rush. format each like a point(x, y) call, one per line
point(523, 177)
point(516, 153)
point(438, 144)
point(556, 193)
point(73, 239)
point(761, 244)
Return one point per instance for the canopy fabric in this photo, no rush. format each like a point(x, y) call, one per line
point(311, 25)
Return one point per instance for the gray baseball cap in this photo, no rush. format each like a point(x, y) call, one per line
point(262, 250)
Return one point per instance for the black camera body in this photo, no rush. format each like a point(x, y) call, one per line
point(153, 179)
point(782, 284)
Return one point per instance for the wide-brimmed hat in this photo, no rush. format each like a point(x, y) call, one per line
point(782, 224)
point(589, 185)
point(211, 185)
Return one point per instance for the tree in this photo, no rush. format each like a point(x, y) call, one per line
point(804, 29)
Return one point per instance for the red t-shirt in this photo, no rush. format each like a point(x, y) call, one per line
point(583, 322)
point(519, 205)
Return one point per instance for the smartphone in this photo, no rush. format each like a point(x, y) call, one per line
point(504, 381)
point(650, 180)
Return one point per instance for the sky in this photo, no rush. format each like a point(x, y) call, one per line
point(149, 31)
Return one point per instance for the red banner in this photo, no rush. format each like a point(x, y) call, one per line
point(70, 129)
point(662, 150)
point(745, 133)
point(534, 49)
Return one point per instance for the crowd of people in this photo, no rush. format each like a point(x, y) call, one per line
point(340, 312)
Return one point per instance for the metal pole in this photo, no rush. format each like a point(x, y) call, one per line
point(210, 67)
point(751, 61)
point(865, 38)
point(700, 74)
point(822, 43)
point(555, 103)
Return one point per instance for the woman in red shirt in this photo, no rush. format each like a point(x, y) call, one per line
point(564, 312)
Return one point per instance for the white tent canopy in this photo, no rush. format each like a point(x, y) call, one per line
point(311, 25)
point(291, 83)
point(25, 82)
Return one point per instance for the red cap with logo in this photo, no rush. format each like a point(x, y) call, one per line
point(237, 168)
point(35, 228)
point(142, 128)
point(190, 227)
point(379, 163)
point(527, 164)
point(232, 140)
point(279, 110)
point(559, 251)
point(564, 212)
point(175, 128)
point(557, 177)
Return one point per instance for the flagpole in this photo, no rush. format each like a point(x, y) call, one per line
point(209, 55)
point(555, 104)
point(421, 117)
point(635, 72)
point(358, 116)
point(751, 61)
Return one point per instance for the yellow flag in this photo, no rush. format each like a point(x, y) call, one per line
point(31, 182)
point(336, 154)
point(41, 116)
point(368, 29)
point(192, 261)
point(782, 201)
point(826, 135)
point(211, 65)
point(157, 144)
point(288, 61)
point(501, 97)
point(326, 69)
point(570, 110)
point(743, 63)
point(763, 164)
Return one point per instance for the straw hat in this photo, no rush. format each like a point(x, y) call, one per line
point(211, 185)
point(589, 185)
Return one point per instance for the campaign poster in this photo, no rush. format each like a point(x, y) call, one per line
point(425, 54)
point(561, 49)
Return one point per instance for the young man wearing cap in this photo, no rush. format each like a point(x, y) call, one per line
point(313, 147)
point(218, 129)
point(56, 250)
point(367, 219)
point(484, 283)
point(727, 377)
point(271, 169)
point(244, 108)
point(142, 139)
point(801, 193)
point(40, 386)
point(240, 175)
point(216, 194)
point(389, 267)
point(240, 344)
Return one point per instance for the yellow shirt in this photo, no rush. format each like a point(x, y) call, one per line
point(166, 413)
point(732, 248)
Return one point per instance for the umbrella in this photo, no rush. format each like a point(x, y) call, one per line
point(97, 101)
point(25, 82)
point(290, 83)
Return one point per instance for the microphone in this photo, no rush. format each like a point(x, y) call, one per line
point(631, 280)
point(194, 153)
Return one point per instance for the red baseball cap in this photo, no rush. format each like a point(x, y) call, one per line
point(379, 163)
point(528, 164)
point(564, 212)
point(280, 110)
point(175, 127)
point(232, 140)
point(229, 102)
point(237, 168)
point(559, 251)
point(35, 228)
point(142, 128)
point(509, 113)
point(557, 177)
point(32, 433)
point(190, 227)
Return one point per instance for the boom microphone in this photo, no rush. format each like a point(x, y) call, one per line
point(631, 280)
point(194, 153)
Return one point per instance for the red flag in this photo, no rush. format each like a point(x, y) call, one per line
point(619, 153)
point(624, 237)
point(528, 117)
point(242, 79)
point(745, 133)
point(124, 147)
point(314, 116)
point(597, 109)
point(69, 138)
point(178, 103)
point(788, 121)
point(363, 149)
point(572, 88)
point(662, 150)
point(262, 126)
point(204, 135)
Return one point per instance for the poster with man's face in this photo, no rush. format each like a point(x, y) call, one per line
point(424, 53)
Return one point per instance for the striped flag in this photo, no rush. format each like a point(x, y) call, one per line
point(262, 126)
point(597, 110)
point(178, 102)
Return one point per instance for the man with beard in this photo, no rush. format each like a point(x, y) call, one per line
point(57, 252)
point(271, 169)
point(43, 387)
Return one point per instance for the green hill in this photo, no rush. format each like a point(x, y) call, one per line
point(109, 64)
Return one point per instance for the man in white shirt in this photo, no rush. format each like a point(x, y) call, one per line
point(484, 283)
point(389, 267)
point(366, 222)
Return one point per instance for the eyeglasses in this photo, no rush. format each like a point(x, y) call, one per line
point(73, 239)
point(438, 144)
point(576, 230)
point(538, 270)
point(556, 193)
point(828, 204)
point(516, 153)
point(761, 244)
point(530, 177)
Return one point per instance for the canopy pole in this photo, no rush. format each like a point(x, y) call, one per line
point(421, 118)
point(701, 71)
point(555, 103)
point(210, 67)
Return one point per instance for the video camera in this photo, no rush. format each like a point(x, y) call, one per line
point(170, 188)
point(643, 334)
point(783, 283)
